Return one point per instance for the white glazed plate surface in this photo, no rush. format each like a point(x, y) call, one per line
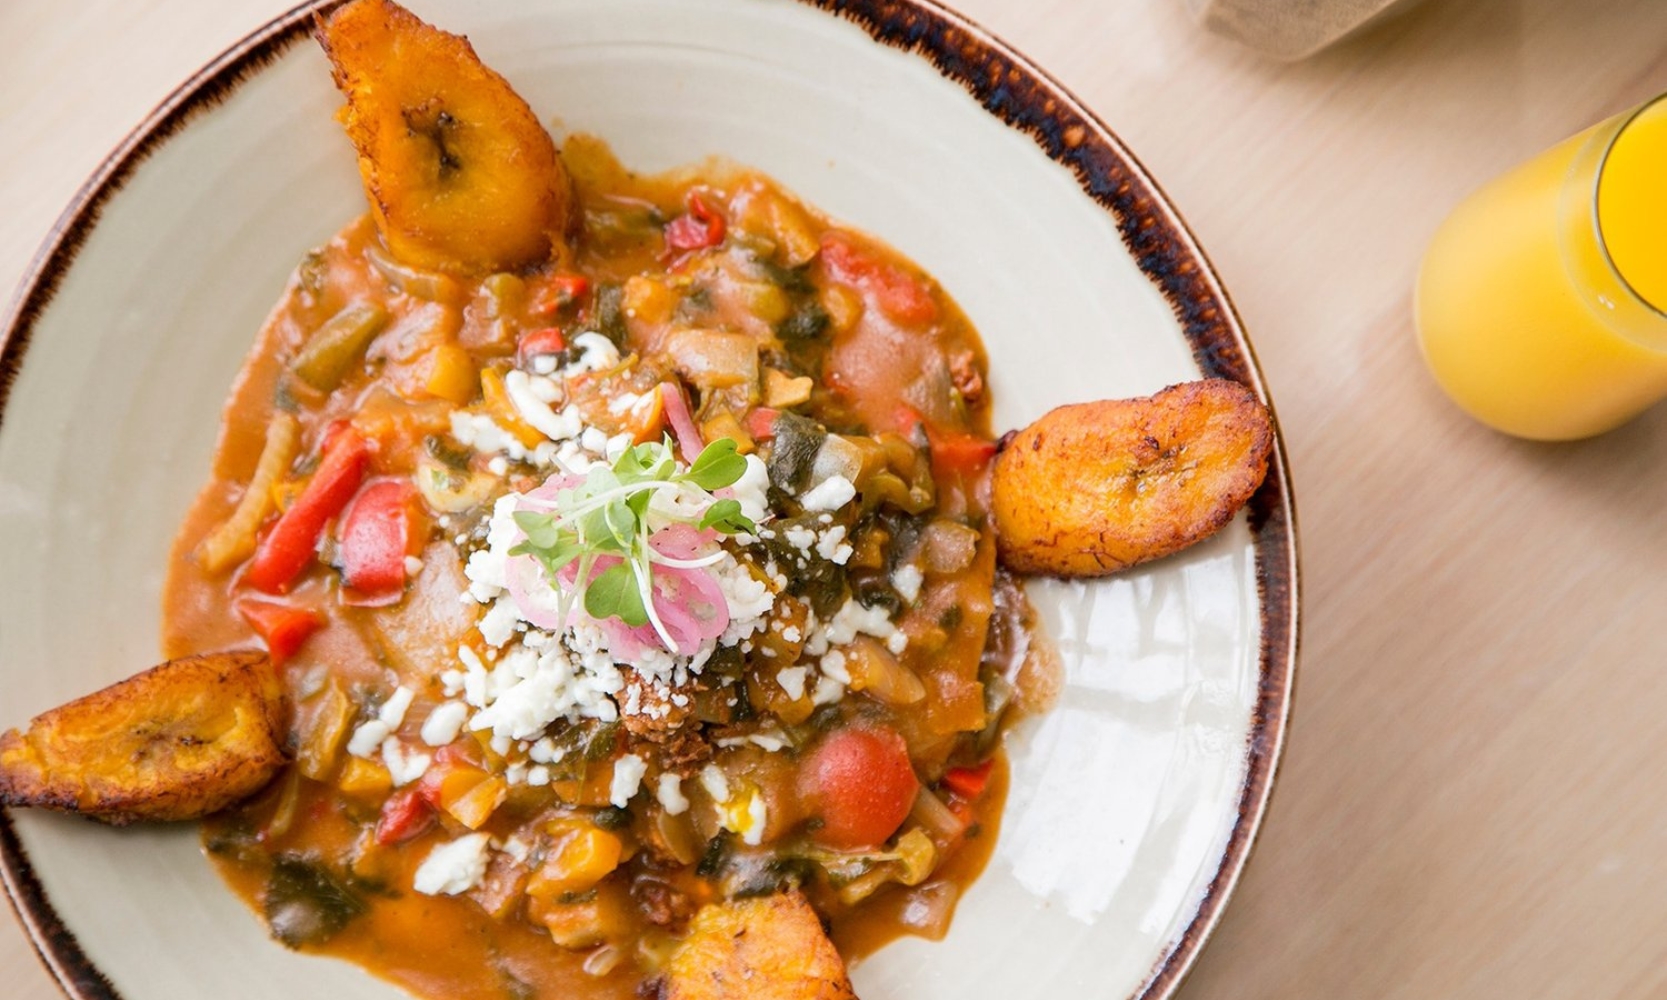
point(1134, 801)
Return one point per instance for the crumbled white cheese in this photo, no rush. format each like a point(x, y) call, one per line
point(392, 712)
point(597, 353)
point(897, 642)
point(532, 402)
point(670, 793)
point(752, 490)
point(800, 537)
point(831, 493)
point(827, 692)
point(517, 848)
point(404, 766)
point(906, 581)
point(413, 565)
point(712, 779)
point(792, 681)
point(482, 433)
point(833, 665)
point(453, 868)
point(831, 545)
point(498, 625)
point(628, 772)
point(368, 738)
point(444, 723)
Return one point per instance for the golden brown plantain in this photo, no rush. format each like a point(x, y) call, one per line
point(460, 174)
point(1093, 488)
point(178, 741)
point(762, 948)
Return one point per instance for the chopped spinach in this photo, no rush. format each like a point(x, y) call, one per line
point(807, 322)
point(306, 903)
point(793, 453)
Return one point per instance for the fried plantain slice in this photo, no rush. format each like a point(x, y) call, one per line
point(460, 174)
point(769, 947)
point(1093, 488)
point(178, 741)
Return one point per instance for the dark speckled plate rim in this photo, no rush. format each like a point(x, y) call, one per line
point(1015, 91)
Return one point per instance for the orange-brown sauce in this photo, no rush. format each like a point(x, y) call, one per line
point(891, 353)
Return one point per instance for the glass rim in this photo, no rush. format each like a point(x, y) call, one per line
point(1660, 311)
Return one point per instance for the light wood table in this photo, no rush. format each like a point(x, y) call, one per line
point(1472, 802)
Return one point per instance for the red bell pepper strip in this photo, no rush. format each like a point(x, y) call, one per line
point(376, 537)
point(405, 815)
point(546, 341)
point(558, 290)
point(283, 626)
point(761, 423)
point(901, 296)
point(289, 546)
point(953, 452)
point(697, 229)
point(962, 454)
point(968, 783)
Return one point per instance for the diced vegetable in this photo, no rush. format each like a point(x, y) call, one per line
point(323, 729)
point(556, 291)
point(797, 440)
point(580, 856)
point(761, 423)
point(901, 296)
point(234, 540)
point(548, 340)
point(377, 534)
point(451, 374)
point(365, 780)
point(714, 359)
point(291, 543)
point(780, 220)
point(306, 903)
point(782, 390)
point(284, 627)
point(449, 490)
point(405, 816)
point(334, 347)
point(649, 300)
point(968, 783)
point(431, 286)
point(875, 670)
point(724, 425)
point(859, 780)
point(949, 546)
point(699, 228)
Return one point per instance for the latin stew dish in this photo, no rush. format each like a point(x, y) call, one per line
point(610, 585)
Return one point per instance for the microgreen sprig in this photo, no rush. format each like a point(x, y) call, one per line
point(607, 515)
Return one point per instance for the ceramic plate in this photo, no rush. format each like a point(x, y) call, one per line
point(1134, 802)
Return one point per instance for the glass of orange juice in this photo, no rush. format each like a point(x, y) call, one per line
point(1542, 300)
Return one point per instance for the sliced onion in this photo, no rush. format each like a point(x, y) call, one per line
point(688, 602)
point(528, 585)
point(682, 422)
point(929, 908)
point(684, 542)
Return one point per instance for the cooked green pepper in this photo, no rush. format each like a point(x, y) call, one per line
point(334, 347)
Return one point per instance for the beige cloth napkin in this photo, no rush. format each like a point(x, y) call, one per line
point(1287, 29)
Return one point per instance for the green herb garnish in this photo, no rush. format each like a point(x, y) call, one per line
point(607, 516)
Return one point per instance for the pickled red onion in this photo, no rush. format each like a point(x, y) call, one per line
point(677, 412)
